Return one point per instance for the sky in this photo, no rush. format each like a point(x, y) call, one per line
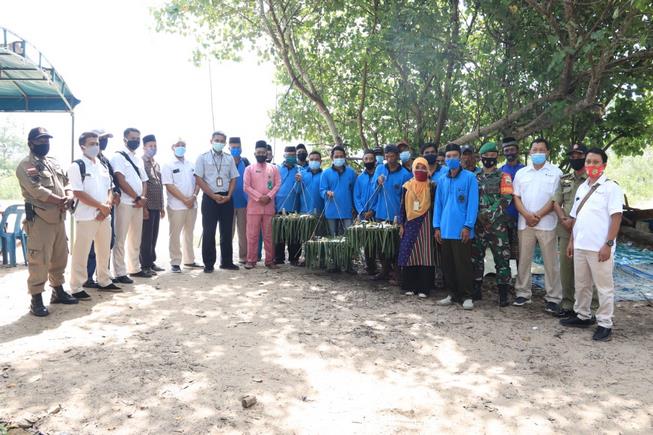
point(128, 75)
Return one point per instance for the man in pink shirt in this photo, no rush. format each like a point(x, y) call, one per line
point(261, 182)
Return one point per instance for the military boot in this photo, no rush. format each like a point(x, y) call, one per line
point(36, 307)
point(59, 296)
point(476, 291)
point(503, 295)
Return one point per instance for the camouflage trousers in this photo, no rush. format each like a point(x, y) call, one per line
point(497, 240)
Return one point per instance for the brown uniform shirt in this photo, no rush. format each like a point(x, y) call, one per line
point(39, 178)
point(566, 195)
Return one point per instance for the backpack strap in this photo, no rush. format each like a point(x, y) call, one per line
point(124, 154)
point(82, 172)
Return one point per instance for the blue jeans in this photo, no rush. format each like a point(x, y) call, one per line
point(337, 227)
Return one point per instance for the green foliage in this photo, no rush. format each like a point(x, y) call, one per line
point(375, 71)
point(634, 175)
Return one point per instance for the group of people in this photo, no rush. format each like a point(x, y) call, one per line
point(449, 211)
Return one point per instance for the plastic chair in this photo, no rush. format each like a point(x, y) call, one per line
point(9, 237)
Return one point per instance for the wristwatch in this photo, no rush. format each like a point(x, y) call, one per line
point(610, 243)
point(137, 199)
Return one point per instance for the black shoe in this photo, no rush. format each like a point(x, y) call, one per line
point(503, 295)
point(156, 268)
point(564, 313)
point(229, 267)
point(175, 269)
point(373, 271)
point(294, 263)
point(59, 296)
point(278, 261)
point(552, 308)
point(193, 266)
point(37, 308)
point(150, 271)
point(476, 291)
point(521, 301)
point(576, 322)
point(208, 269)
point(112, 288)
point(380, 277)
point(82, 296)
point(123, 280)
point(141, 274)
point(602, 334)
point(90, 284)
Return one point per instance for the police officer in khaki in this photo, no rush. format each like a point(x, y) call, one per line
point(47, 198)
point(563, 201)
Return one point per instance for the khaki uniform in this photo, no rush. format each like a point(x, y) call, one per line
point(565, 197)
point(47, 243)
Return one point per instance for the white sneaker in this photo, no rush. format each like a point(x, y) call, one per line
point(410, 293)
point(421, 295)
point(444, 302)
point(468, 304)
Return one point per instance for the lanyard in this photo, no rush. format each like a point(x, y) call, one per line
point(218, 168)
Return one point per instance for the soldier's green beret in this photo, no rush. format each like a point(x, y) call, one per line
point(488, 147)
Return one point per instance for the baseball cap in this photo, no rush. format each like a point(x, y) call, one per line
point(577, 148)
point(466, 149)
point(38, 132)
point(101, 132)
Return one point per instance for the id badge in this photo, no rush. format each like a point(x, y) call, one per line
point(415, 205)
point(218, 181)
point(269, 184)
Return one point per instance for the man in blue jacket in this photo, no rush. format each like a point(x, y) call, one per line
point(456, 207)
point(364, 199)
point(310, 199)
point(390, 178)
point(287, 200)
point(337, 190)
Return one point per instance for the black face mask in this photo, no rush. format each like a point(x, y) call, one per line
point(133, 144)
point(489, 162)
point(41, 150)
point(103, 143)
point(302, 157)
point(370, 165)
point(577, 164)
point(511, 157)
point(431, 159)
point(261, 159)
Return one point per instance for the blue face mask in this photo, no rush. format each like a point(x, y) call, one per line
point(538, 158)
point(133, 144)
point(150, 152)
point(291, 160)
point(379, 160)
point(339, 162)
point(180, 151)
point(314, 165)
point(404, 156)
point(218, 146)
point(453, 163)
point(235, 152)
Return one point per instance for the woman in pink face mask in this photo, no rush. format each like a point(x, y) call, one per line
point(417, 251)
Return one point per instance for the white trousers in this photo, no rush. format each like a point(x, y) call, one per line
point(587, 270)
point(87, 232)
point(548, 242)
point(128, 228)
point(181, 221)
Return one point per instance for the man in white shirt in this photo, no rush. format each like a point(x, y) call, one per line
point(130, 173)
point(91, 185)
point(597, 212)
point(534, 188)
point(178, 176)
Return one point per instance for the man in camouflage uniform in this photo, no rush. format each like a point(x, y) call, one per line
point(495, 195)
point(47, 198)
point(563, 201)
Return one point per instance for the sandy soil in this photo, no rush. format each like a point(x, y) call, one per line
point(321, 353)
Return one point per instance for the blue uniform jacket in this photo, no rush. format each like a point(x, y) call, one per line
point(311, 200)
point(512, 171)
point(342, 185)
point(388, 198)
point(456, 204)
point(240, 197)
point(363, 191)
point(287, 196)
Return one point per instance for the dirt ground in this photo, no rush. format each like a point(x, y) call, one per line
point(321, 353)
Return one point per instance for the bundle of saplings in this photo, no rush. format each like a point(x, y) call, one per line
point(328, 252)
point(294, 227)
point(381, 237)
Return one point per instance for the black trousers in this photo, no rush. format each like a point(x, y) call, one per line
point(294, 252)
point(212, 215)
point(149, 237)
point(457, 268)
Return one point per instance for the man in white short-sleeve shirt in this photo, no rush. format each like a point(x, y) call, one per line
point(91, 185)
point(597, 212)
point(130, 173)
point(534, 187)
point(178, 176)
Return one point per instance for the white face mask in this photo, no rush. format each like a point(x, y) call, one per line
point(218, 146)
point(92, 151)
